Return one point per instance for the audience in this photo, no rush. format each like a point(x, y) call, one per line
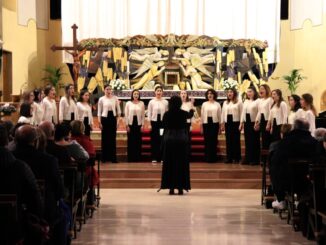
point(44, 167)
point(297, 144)
point(58, 151)
point(17, 178)
point(62, 138)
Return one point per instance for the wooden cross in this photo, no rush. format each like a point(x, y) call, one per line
point(76, 51)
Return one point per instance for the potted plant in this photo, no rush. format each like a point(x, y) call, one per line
point(54, 75)
point(293, 80)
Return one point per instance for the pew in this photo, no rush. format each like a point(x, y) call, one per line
point(266, 197)
point(69, 176)
point(298, 171)
point(317, 211)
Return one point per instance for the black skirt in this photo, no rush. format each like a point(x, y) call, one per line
point(232, 136)
point(265, 135)
point(87, 127)
point(276, 132)
point(156, 138)
point(134, 141)
point(210, 139)
point(175, 155)
point(252, 142)
point(109, 133)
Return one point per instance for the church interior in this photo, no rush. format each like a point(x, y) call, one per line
point(162, 122)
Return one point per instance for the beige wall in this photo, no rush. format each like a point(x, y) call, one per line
point(30, 48)
point(304, 49)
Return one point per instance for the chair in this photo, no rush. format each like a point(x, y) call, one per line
point(266, 198)
point(68, 175)
point(98, 157)
point(298, 171)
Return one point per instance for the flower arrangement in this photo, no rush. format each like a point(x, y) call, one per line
point(118, 84)
point(7, 109)
point(230, 84)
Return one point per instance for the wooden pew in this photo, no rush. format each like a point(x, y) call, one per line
point(70, 172)
point(317, 212)
point(298, 170)
point(266, 197)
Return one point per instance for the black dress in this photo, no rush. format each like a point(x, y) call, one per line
point(175, 151)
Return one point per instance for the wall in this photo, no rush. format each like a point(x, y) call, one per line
point(30, 48)
point(304, 48)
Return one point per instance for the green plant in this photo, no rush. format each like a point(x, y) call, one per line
point(293, 80)
point(54, 75)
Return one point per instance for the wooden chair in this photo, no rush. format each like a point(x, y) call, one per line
point(98, 158)
point(298, 170)
point(8, 220)
point(70, 172)
point(317, 211)
point(266, 198)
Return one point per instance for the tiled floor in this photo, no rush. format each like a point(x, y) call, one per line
point(143, 216)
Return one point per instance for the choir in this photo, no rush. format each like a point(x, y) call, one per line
point(260, 119)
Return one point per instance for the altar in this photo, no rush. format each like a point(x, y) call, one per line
point(149, 94)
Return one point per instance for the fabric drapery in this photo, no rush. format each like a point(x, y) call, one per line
point(226, 19)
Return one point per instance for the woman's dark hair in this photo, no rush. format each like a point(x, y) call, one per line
point(297, 104)
point(67, 91)
point(77, 128)
point(279, 93)
point(26, 96)
point(212, 91)
point(25, 109)
point(267, 89)
point(255, 92)
point(175, 103)
point(158, 87)
point(36, 95)
point(47, 89)
point(132, 94)
point(235, 95)
point(107, 85)
point(310, 102)
point(62, 131)
point(81, 94)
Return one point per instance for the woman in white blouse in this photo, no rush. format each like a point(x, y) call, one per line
point(108, 111)
point(187, 105)
point(156, 109)
point(308, 111)
point(134, 116)
point(230, 122)
point(85, 111)
point(49, 105)
point(277, 116)
point(37, 106)
point(67, 107)
point(247, 122)
point(265, 103)
point(294, 104)
point(211, 117)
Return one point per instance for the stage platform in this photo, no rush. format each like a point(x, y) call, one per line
point(203, 175)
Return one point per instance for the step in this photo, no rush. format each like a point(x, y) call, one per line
point(195, 183)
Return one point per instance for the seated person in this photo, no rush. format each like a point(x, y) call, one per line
point(58, 151)
point(45, 167)
point(298, 144)
point(62, 138)
point(319, 135)
point(17, 178)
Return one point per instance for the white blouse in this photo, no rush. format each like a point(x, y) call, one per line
point(309, 116)
point(66, 108)
point(211, 109)
point(50, 110)
point(37, 113)
point(156, 107)
point(27, 120)
point(106, 104)
point(264, 107)
point(85, 110)
point(291, 117)
point(135, 109)
point(187, 106)
point(279, 113)
point(231, 108)
point(249, 107)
